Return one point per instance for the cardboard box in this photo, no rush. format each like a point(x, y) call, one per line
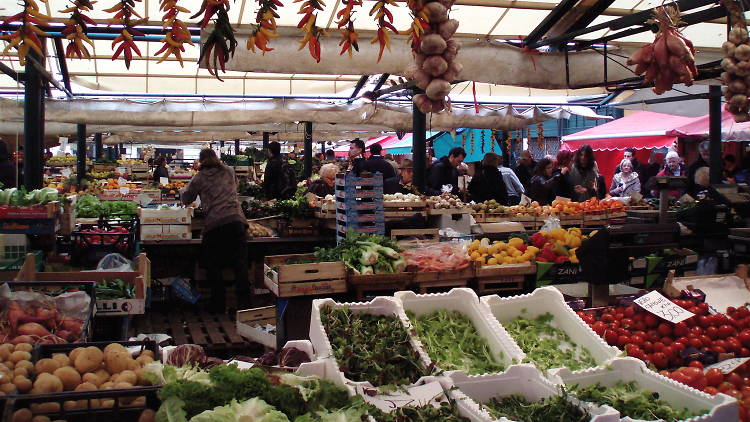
point(166, 232)
point(166, 215)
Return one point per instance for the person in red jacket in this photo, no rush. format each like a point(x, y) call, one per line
point(673, 167)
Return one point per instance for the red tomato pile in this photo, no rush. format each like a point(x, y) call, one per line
point(654, 340)
point(713, 381)
point(100, 236)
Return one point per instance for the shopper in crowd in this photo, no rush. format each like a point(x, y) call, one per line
point(544, 183)
point(392, 162)
point(743, 175)
point(377, 164)
point(703, 161)
point(324, 185)
point(7, 168)
point(512, 184)
point(444, 172)
point(730, 168)
point(649, 170)
point(224, 239)
point(330, 156)
point(601, 187)
point(626, 182)
point(583, 175)
point(672, 168)
point(629, 154)
point(406, 176)
point(525, 168)
point(356, 159)
point(279, 181)
point(487, 182)
point(563, 163)
point(161, 170)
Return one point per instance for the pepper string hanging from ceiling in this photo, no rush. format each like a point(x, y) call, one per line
point(307, 24)
point(540, 136)
point(384, 19)
point(75, 29)
point(736, 64)
point(26, 37)
point(265, 27)
point(124, 11)
point(177, 31)
point(220, 43)
point(345, 24)
point(434, 53)
point(670, 58)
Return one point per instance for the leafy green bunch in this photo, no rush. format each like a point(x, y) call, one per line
point(550, 409)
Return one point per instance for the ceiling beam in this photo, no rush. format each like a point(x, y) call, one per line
point(62, 63)
point(550, 20)
point(360, 83)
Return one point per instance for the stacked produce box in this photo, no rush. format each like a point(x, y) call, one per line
point(166, 223)
point(359, 204)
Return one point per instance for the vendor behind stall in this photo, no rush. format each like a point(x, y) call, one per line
point(445, 172)
point(161, 170)
point(325, 184)
point(279, 181)
point(224, 240)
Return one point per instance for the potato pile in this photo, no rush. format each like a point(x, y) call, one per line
point(83, 369)
point(670, 58)
point(435, 57)
point(258, 230)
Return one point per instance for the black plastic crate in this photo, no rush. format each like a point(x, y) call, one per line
point(88, 248)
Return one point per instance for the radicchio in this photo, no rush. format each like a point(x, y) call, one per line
point(187, 354)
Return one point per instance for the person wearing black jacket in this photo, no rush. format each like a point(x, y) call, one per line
point(487, 182)
point(357, 162)
point(545, 182)
point(703, 161)
point(161, 170)
point(7, 169)
point(377, 164)
point(272, 179)
point(525, 168)
point(444, 172)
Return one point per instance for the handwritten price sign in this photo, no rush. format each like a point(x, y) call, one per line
point(728, 365)
point(662, 307)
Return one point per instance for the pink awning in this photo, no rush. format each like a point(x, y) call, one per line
point(699, 128)
point(343, 150)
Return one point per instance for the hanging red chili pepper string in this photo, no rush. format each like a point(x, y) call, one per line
point(265, 27)
point(75, 29)
point(177, 31)
point(345, 24)
point(26, 37)
point(384, 19)
point(313, 33)
point(124, 10)
point(220, 44)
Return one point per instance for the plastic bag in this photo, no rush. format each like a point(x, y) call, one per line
point(443, 256)
point(550, 223)
point(115, 262)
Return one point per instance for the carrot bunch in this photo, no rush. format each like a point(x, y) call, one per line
point(346, 26)
point(265, 28)
point(177, 31)
point(26, 37)
point(307, 24)
point(124, 11)
point(436, 257)
point(670, 58)
point(75, 29)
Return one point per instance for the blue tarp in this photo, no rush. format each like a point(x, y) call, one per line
point(471, 140)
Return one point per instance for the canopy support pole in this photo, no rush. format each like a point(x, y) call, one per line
point(308, 150)
point(81, 154)
point(714, 132)
point(33, 126)
point(236, 147)
point(98, 150)
point(419, 140)
point(266, 138)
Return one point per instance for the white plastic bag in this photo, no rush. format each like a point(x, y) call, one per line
point(115, 262)
point(550, 224)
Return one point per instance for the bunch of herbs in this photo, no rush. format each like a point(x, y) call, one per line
point(554, 408)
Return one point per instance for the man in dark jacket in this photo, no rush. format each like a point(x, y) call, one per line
point(444, 172)
point(703, 161)
point(357, 161)
point(273, 179)
point(7, 169)
point(377, 164)
point(525, 168)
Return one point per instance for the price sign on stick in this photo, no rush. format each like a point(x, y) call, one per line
point(66, 172)
point(163, 181)
point(662, 307)
point(121, 181)
point(728, 365)
point(124, 190)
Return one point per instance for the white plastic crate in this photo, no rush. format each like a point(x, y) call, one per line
point(525, 380)
point(322, 346)
point(549, 299)
point(466, 302)
point(721, 407)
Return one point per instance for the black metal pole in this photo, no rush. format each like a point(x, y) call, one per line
point(714, 132)
point(98, 150)
point(308, 150)
point(419, 148)
point(33, 126)
point(323, 147)
point(236, 147)
point(81, 154)
point(266, 139)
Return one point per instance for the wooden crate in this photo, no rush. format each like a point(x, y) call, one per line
point(498, 278)
point(186, 326)
point(249, 320)
point(495, 218)
point(434, 281)
point(433, 234)
point(290, 280)
point(384, 283)
point(448, 211)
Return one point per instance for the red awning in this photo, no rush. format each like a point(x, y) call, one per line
point(343, 150)
point(641, 130)
point(699, 127)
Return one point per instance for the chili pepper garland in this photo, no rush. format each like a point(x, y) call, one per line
point(219, 45)
point(265, 27)
point(384, 19)
point(313, 33)
point(26, 37)
point(540, 135)
point(75, 29)
point(345, 24)
point(124, 11)
point(209, 8)
point(177, 31)
point(420, 23)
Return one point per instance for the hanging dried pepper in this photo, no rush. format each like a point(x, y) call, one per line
point(219, 45)
point(384, 19)
point(124, 11)
point(75, 29)
point(540, 135)
point(313, 33)
point(346, 25)
point(266, 25)
point(420, 23)
point(209, 8)
point(26, 37)
point(177, 31)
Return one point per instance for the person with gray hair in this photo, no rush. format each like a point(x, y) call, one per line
point(703, 160)
point(626, 181)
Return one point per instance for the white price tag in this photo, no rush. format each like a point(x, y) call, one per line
point(662, 307)
point(121, 181)
point(728, 365)
point(66, 172)
point(419, 396)
point(124, 190)
point(163, 180)
point(143, 199)
point(525, 200)
point(122, 170)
